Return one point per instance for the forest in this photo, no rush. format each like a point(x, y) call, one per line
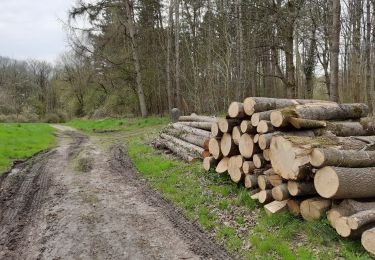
point(143, 57)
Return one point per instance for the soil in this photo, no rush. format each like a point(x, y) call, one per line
point(80, 201)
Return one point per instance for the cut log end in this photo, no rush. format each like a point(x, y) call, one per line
point(275, 207)
point(227, 145)
point(236, 134)
point(326, 182)
point(249, 106)
point(368, 240)
point(342, 227)
point(214, 148)
point(317, 158)
point(236, 110)
point(215, 131)
point(209, 163)
point(277, 119)
point(259, 161)
point(222, 166)
point(246, 146)
point(314, 208)
point(265, 196)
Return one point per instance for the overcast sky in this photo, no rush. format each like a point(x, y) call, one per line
point(31, 28)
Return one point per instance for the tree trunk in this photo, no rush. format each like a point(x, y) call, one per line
point(226, 125)
point(197, 118)
point(200, 125)
point(343, 158)
point(257, 117)
point(314, 208)
point(137, 66)
point(361, 218)
point(193, 149)
point(335, 50)
point(178, 150)
point(247, 127)
point(301, 188)
point(190, 138)
point(177, 53)
point(340, 183)
point(281, 192)
point(191, 130)
point(265, 127)
point(265, 196)
point(169, 51)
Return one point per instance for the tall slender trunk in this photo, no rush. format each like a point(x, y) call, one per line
point(177, 54)
point(334, 50)
point(169, 50)
point(137, 66)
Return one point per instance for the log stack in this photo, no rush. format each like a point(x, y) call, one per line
point(305, 156)
point(189, 138)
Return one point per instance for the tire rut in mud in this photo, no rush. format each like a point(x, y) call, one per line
point(198, 240)
point(22, 191)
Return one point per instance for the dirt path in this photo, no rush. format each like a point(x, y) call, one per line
point(80, 202)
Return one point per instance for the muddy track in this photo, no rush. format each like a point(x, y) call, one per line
point(49, 210)
point(194, 236)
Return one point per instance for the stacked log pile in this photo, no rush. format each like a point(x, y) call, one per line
point(311, 157)
point(188, 138)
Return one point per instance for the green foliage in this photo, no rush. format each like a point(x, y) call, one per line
point(19, 141)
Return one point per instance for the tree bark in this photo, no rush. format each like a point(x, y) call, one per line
point(200, 125)
point(345, 183)
point(343, 158)
point(191, 130)
point(335, 50)
point(197, 118)
point(301, 188)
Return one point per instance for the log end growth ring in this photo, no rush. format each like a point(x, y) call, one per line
point(326, 182)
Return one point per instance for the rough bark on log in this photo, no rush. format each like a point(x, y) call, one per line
point(247, 127)
point(257, 117)
point(344, 158)
point(226, 125)
point(343, 229)
point(236, 134)
point(248, 167)
point(215, 131)
point(346, 208)
point(314, 208)
point(306, 123)
point(276, 207)
point(222, 166)
point(209, 163)
point(259, 161)
point(191, 130)
point(290, 155)
point(265, 127)
point(214, 148)
point(236, 110)
point(260, 104)
point(227, 145)
point(368, 240)
point(280, 192)
point(193, 149)
point(347, 128)
point(188, 137)
point(345, 183)
point(200, 125)
point(179, 150)
point(247, 147)
point(265, 196)
point(361, 218)
point(301, 188)
point(197, 118)
point(319, 111)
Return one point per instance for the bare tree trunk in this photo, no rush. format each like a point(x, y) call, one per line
point(130, 28)
point(334, 50)
point(177, 50)
point(169, 50)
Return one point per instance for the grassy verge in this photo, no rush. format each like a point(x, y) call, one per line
point(227, 211)
point(19, 141)
point(127, 124)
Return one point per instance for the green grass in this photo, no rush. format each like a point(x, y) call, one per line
point(89, 126)
point(235, 220)
point(19, 141)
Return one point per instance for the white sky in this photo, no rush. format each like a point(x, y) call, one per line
point(31, 28)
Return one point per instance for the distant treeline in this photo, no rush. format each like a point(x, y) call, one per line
point(145, 57)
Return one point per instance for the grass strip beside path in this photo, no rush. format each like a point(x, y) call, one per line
point(22, 140)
